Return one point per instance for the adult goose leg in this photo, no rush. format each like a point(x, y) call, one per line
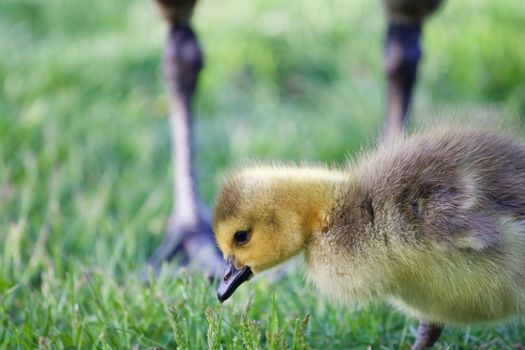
point(189, 235)
point(427, 334)
point(402, 56)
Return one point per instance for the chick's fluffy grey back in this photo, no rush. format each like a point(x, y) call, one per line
point(442, 184)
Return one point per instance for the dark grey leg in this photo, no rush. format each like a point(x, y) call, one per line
point(402, 56)
point(189, 235)
point(427, 335)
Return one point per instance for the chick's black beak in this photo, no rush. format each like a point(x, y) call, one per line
point(232, 279)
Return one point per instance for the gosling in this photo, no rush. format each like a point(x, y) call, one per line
point(433, 223)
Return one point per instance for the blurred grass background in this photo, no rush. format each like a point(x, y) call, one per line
point(85, 176)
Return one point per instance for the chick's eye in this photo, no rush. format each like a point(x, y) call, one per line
point(241, 237)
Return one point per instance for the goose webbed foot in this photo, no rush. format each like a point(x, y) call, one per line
point(193, 246)
point(427, 335)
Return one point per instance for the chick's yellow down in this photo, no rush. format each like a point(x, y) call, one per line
point(433, 223)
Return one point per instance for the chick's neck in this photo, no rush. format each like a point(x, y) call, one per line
point(311, 195)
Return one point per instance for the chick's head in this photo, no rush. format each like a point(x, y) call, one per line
point(254, 225)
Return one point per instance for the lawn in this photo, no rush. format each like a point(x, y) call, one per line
point(85, 174)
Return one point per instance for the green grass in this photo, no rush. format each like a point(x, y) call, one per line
point(85, 175)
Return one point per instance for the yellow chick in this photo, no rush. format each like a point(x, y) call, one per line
point(433, 223)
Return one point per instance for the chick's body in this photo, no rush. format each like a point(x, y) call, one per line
point(434, 224)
